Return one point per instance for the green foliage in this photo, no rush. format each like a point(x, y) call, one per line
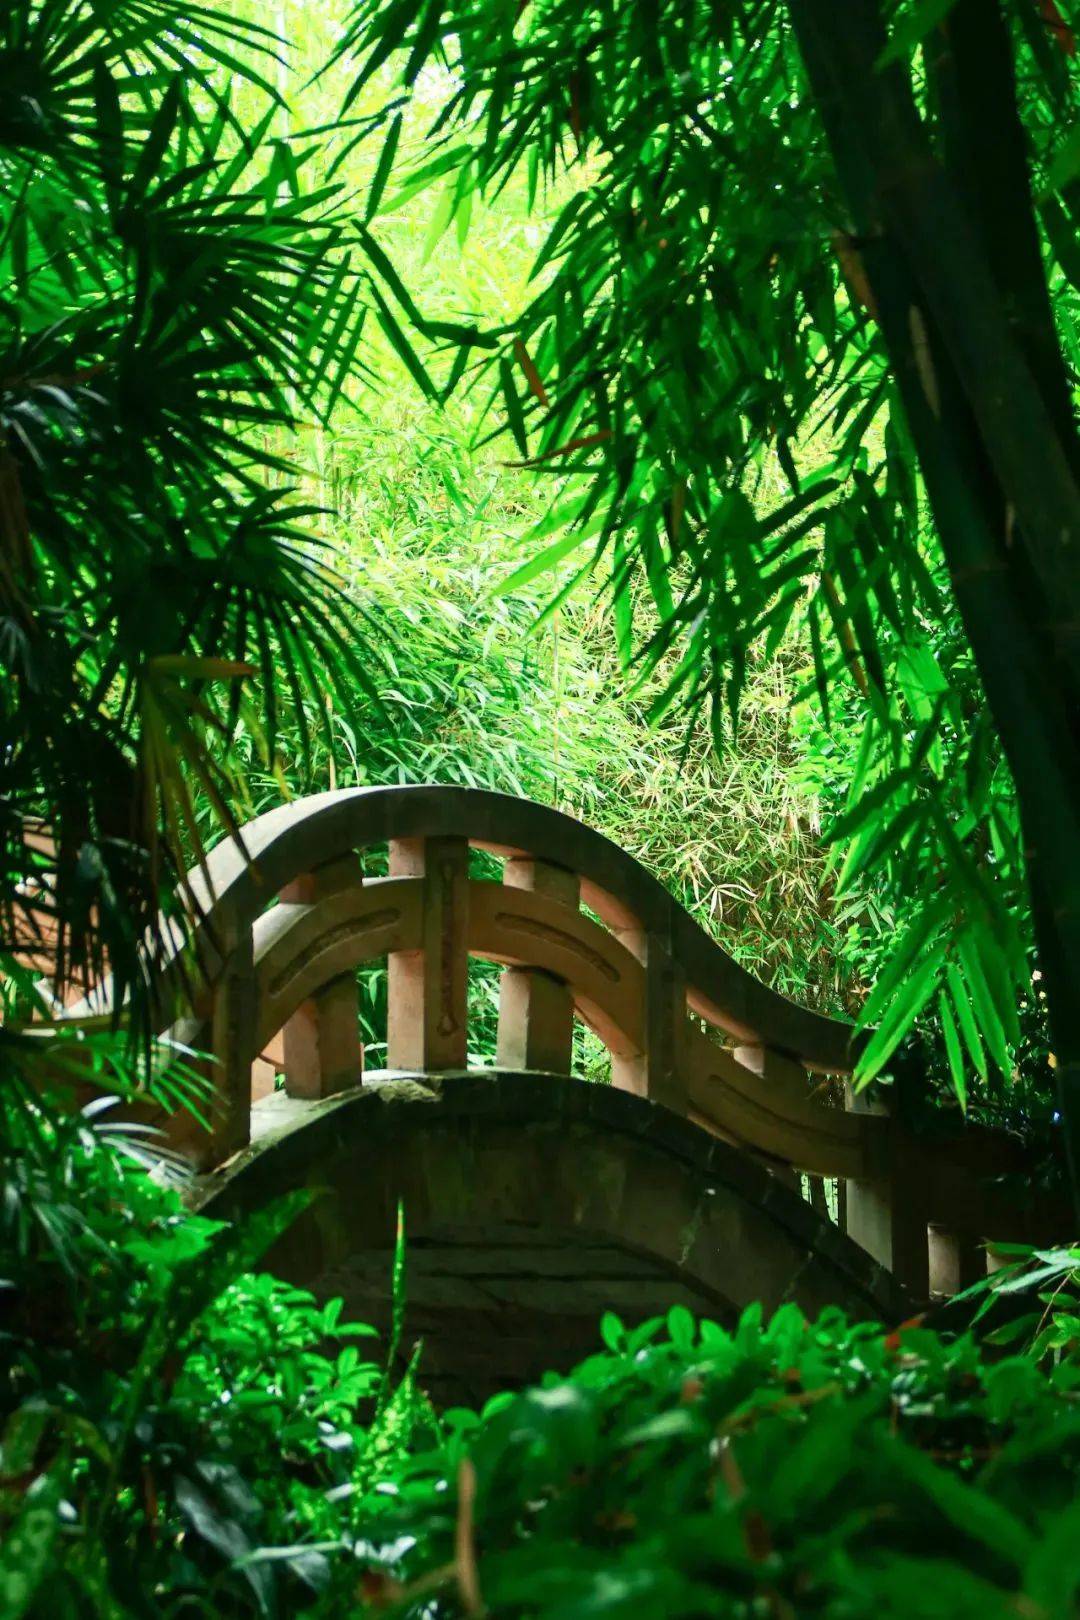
point(428, 524)
point(702, 370)
point(183, 283)
point(177, 1434)
point(172, 292)
point(475, 693)
point(1043, 1288)
point(792, 1468)
point(451, 685)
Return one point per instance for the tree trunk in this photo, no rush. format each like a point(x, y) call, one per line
point(962, 304)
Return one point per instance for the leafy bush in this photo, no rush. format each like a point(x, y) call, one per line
point(1040, 1292)
point(780, 1470)
point(177, 1433)
point(183, 1436)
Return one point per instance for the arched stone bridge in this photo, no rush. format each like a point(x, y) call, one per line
point(533, 1201)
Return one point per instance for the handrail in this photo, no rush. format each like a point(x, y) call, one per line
point(238, 882)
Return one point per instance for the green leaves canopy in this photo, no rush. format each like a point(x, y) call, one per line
point(702, 370)
point(173, 294)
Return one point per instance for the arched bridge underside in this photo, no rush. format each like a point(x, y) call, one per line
point(533, 1200)
point(532, 1205)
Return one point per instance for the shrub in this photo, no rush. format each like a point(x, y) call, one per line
point(784, 1470)
point(182, 1436)
point(178, 1433)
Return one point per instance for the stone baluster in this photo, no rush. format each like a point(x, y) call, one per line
point(322, 1050)
point(956, 1261)
point(659, 1072)
point(773, 1069)
point(428, 988)
point(536, 1009)
point(887, 1213)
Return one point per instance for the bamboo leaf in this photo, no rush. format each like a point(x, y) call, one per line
point(383, 168)
point(952, 1049)
point(923, 18)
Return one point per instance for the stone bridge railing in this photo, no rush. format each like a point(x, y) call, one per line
point(581, 930)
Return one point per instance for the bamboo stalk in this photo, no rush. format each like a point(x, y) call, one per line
point(968, 477)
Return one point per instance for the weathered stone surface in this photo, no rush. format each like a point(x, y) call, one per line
point(536, 1006)
point(531, 1206)
point(428, 986)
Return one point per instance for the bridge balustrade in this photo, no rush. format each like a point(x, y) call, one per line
point(580, 931)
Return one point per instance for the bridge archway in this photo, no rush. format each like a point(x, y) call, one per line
point(532, 1205)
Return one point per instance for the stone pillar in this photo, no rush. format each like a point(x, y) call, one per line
point(659, 1073)
point(771, 1068)
point(322, 1049)
point(536, 1009)
point(428, 989)
point(956, 1261)
point(887, 1214)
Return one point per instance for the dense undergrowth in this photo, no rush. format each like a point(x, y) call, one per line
point(790, 1469)
point(184, 1435)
